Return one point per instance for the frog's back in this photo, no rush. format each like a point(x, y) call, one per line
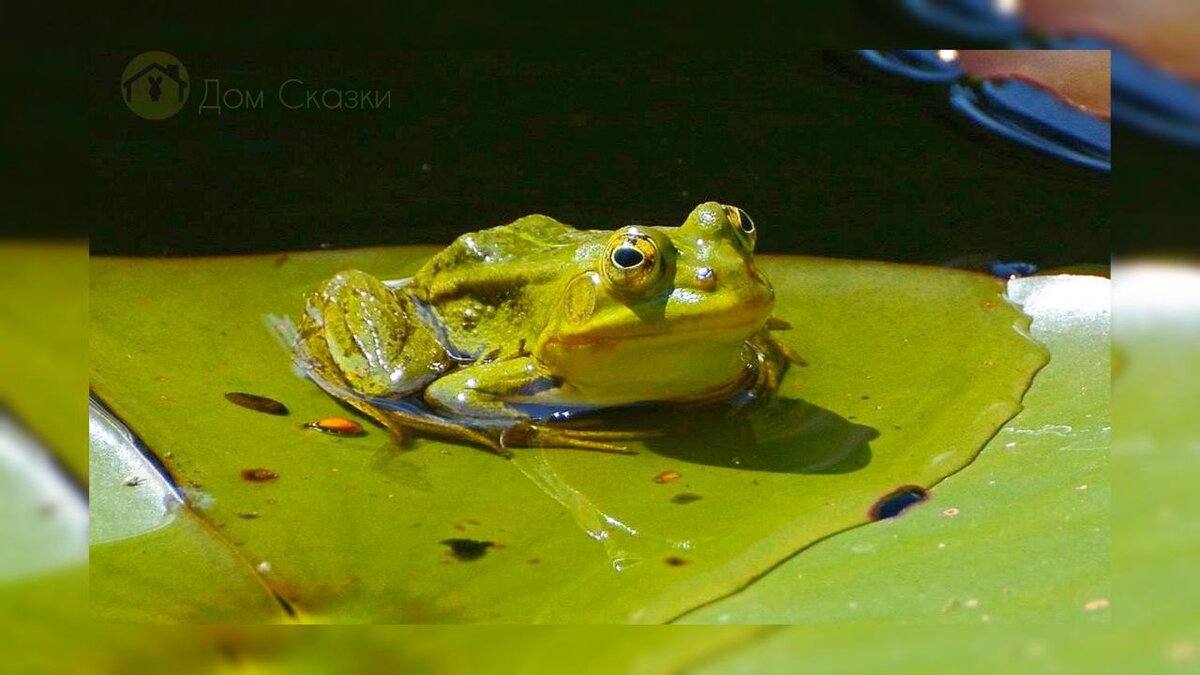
point(503, 251)
point(493, 286)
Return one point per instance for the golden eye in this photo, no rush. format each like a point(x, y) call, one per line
point(631, 261)
point(743, 224)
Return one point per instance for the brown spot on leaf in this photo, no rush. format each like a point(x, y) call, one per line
point(467, 550)
point(667, 477)
point(258, 475)
point(257, 403)
point(675, 561)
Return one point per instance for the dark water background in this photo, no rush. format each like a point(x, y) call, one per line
point(828, 156)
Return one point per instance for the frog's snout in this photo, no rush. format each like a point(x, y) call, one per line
point(713, 220)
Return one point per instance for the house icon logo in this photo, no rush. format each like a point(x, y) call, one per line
point(155, 85)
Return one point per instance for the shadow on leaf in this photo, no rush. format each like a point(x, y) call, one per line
point(785, 435)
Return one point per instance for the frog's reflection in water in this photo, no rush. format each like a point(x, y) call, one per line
point(784, 436)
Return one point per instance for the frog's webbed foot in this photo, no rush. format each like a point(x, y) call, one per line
point(771, 359)
point(776, 324)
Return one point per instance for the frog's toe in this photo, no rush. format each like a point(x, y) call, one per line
point(527, 434)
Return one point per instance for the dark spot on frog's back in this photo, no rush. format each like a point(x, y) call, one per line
point(468, 549)
point(686, 498)
point(897, 502)
point(675, 561)
point(258, 403)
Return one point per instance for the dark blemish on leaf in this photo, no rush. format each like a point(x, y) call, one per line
point(675, 561)
point(258, 475)
point(258, 403)
point(534, 561)
point(865, 397)
point(248, 515)
point(897, 502)
point(667, 476)
point(686, 498)
point(467, 549)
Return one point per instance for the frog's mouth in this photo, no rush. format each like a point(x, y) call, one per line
point(682, 330)
point(734, 322)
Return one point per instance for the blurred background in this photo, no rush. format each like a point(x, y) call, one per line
point(829, 154)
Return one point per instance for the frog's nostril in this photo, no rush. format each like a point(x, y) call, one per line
point(706, 278)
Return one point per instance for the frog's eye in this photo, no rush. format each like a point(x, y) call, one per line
point(742, 224)
point(631, 261)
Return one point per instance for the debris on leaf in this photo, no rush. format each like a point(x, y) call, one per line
point(259, 403)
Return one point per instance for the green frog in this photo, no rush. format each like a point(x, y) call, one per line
point(509, 333)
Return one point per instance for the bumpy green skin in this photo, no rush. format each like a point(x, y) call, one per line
point(535, 315)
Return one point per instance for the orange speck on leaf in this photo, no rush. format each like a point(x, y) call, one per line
point(337, 425)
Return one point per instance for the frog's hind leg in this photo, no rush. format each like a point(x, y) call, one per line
point(494, 392)
point(529, 434)
point(399, 421)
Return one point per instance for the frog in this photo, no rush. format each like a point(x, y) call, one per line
point(506, 335)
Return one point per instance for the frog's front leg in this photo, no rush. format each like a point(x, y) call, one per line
point(488, 391)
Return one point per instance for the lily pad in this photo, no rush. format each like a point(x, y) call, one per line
point(143, 533)
point(1020, 535)
point(911, 371)
point(43, 517)
point(43, 344)
point(43, 547)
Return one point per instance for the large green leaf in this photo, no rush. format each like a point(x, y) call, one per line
point(43, 344)
point(139, 521)
point(1019, 535)
point(911, 371)
point(43, 547)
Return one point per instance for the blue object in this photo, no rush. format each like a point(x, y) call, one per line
point(1007, 269)
point(975, 19)
point(922, 65)
point(1145, 97)
point(1028, 114)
